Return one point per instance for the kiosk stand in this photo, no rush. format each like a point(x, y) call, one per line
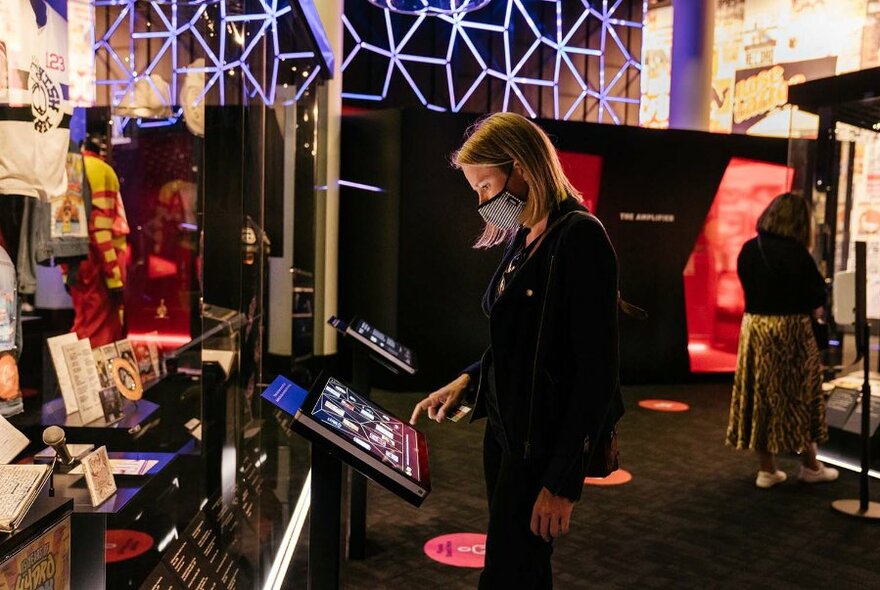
point(325, 521)
point(863, 507)
point(356, 539)
point(343, 425)
point(371, 344)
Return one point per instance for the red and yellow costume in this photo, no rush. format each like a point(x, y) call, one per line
point(96, 283)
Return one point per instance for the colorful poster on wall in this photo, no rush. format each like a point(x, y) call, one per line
point(43, 563)
point(871, 36)
point(656, 68)
point(722, 105)
point(81, 55)
point(761, 93)
point(752, 34)
point(727, 58)
point(864, 219)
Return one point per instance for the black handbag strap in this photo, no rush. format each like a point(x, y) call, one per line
point(764, 256)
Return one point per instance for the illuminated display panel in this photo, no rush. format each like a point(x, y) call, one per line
point(713, 296)
point(585, 173)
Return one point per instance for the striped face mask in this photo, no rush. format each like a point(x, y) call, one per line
point(502, 210)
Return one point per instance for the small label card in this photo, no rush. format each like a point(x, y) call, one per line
point(99, 477)
point(85, 380)
point(55, 350)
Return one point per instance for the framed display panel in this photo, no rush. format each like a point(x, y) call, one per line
point(387, 350)
point(386, 347)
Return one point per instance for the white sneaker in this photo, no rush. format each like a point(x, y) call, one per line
point(766, 479)
point(824, 473)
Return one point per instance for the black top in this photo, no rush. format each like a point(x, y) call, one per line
point(521, 253)
point(782, 281)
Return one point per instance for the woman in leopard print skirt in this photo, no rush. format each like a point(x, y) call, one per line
point(777, 403)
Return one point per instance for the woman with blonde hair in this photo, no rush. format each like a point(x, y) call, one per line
point(548, 383)
point(777, 403)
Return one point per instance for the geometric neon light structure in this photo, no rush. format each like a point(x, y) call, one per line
point(247, 56)
point(468, 58)
point(430, 6)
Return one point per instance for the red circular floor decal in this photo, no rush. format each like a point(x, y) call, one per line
point(458, 549)
point(664, 405)
point(619, 477)
point(122, 544)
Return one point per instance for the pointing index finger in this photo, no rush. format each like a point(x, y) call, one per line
point(415, 415)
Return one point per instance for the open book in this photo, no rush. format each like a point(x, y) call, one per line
point(19, 487)
point(12, 441)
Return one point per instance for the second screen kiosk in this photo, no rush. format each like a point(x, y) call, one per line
point(343, 425)
point(397, 358)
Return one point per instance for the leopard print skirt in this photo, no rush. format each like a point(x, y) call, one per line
point(777, 403)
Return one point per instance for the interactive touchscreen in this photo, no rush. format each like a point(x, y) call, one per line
point(388, 439)
point(398, 354)
point(359, 432)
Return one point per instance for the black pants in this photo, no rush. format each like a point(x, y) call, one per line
point(11, 215)
point(515, 558)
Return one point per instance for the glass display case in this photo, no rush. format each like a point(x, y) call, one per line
point(840, 172)
point(208, 115)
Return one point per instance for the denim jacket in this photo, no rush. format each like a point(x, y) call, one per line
point(10, 320)
point(50, 249)
point(40, 240)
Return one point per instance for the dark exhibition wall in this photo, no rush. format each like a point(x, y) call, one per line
point(406, 261)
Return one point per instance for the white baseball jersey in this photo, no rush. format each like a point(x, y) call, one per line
point(34, 107)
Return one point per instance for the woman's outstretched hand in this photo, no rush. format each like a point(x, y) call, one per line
point(439, 403)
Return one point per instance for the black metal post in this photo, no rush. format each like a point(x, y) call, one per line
point(863, 507)
point(357, 498)
point(864, 488)
point(324, 521)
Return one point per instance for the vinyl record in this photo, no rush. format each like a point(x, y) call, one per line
point(124, 544)
point(127, 379)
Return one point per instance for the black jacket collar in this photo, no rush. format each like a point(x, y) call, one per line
point(567, 206)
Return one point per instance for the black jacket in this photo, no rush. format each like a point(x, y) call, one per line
point(779, 277)
point(554, 348)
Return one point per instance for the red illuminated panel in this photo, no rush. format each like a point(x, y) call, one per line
point(168, 341)
point(585, 172)
point(713, 296)
point(158, 267)
point(159, 187)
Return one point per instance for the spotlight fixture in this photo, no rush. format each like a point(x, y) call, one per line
point(430, 7)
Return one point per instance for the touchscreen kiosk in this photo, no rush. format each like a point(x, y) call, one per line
point(386, 348)
point(361, 433)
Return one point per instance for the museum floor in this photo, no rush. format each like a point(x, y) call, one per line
point(690, 518)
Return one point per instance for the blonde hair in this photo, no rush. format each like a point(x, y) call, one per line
point(499, 140)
